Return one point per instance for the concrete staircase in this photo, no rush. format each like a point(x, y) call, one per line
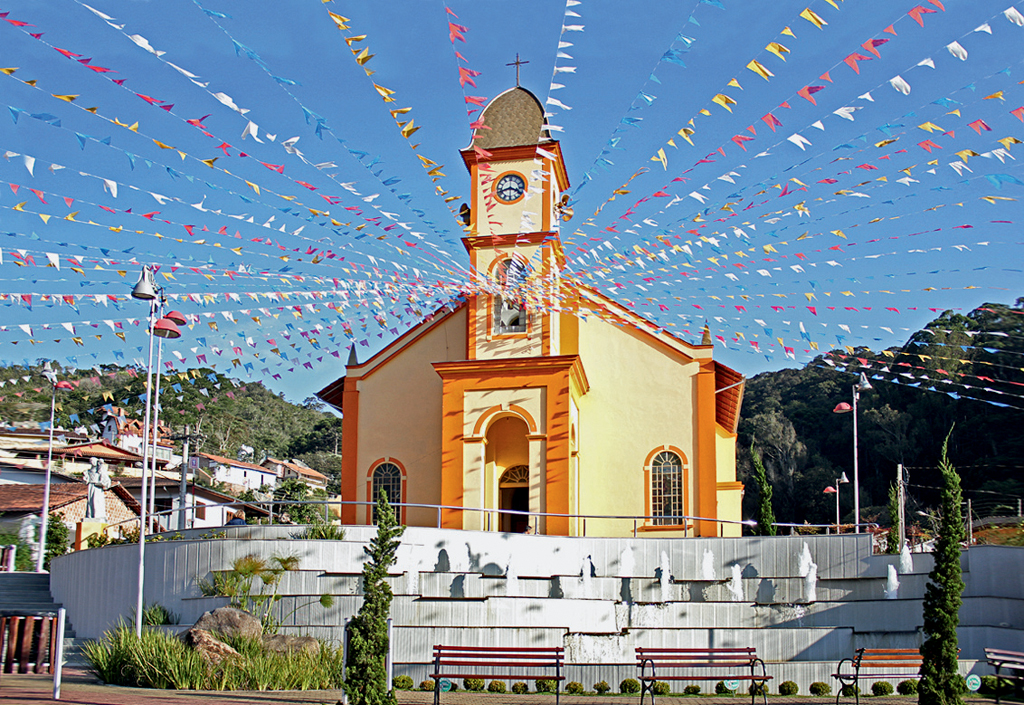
point(30, 592)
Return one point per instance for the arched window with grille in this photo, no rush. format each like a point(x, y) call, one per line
point(387, 477)
point(668, 483)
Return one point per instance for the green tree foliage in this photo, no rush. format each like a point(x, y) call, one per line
point(230, 413)
point(365, 676)
point(295, 490)
point(941, 683)
point(765, 514)
point(973, 368)
point(892, 539)
point(57, 538)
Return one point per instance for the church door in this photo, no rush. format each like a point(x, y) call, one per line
point(508, 472)
point(514, 489)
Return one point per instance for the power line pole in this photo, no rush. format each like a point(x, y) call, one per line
point(901, 491)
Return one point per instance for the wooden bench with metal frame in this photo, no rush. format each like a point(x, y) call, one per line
point(867, 663)
point(734, 659)
point(33, 641)
point(1011, 661)
point(498, 663)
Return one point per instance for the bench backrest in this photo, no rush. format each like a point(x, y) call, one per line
point(28, 640)
point(521, 657)
point(725, 657)
point(888, 658)
point(7, 555)
point(1001, 656)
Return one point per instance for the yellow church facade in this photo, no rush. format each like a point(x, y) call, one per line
point(569, 411)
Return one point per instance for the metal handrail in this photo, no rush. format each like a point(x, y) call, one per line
point(685, 525)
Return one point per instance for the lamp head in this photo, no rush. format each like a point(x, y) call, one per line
point(144, 288)
point(830, 490)
point(177, 317)
point(863, 385)
point(842, 408)
point(843, 480)
point(165, 328)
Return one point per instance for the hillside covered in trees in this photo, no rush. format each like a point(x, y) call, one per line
point(961, 372)
point(229, 413)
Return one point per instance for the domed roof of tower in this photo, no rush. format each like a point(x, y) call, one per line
point(515, 118)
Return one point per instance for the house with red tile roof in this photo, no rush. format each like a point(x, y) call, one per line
point(236, 473)
point(297, 470)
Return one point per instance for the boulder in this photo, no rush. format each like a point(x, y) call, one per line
point(287, 643)
point(209, 647)
point(228, 621)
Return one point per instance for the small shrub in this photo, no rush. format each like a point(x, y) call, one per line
point(601, 687)
point(660, 688)
point(629, 685)
point(496, 687)
point(156, 614)
point(758, 689)
point(819, 689)
point(788, 688)
point(691, 690)
point(574, 688)
point(426, 685)
point(402, 683)
point(545, 685)
point(849, 691)
point(520, 688)
point(321, 531)
point(475, 685)
point(990, 685)
point(722, 689)
point(880, 688)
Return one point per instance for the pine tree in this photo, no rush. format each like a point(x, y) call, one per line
point(765, 514)
point(892, 540)
point(366, 681)
point(941, 683)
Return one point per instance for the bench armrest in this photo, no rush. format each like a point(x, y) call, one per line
point(643, 668)
point(854, 667)
point(753, 666)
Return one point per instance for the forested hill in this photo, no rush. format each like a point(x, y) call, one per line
point(228, 412)
point(961, 372)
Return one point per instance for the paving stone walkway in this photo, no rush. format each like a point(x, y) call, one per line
point(82, 688)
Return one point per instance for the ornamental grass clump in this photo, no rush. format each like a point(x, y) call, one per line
point(162, 661)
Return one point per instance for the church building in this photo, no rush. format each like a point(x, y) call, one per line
point(537, 396)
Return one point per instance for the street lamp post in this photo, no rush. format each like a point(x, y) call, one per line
point(44, 516)
point(862, 386)
point(835, 490)
point(146, 290)
point(162, 331)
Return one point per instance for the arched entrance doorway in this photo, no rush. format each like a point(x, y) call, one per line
point(508, 466)
point(514, 493)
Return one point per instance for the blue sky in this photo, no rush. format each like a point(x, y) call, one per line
point(888, 190)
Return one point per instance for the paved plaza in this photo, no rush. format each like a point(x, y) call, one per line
point(82, 688)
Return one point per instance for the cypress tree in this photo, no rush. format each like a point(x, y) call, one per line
point(366, 680)
point(941, 683)
point(765, 514)
point(892, 540)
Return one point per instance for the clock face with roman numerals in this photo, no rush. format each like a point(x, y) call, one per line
point(510, 188)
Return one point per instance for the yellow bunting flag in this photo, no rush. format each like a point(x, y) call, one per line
point(777, 49)
point(759, 69)
point(660, 157)
point(340, 21)
point(65, 98)
point(686, 132)
point(385, 93)
point(811, 17)
point(724, 100)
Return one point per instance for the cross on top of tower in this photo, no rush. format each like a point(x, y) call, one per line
point(517, 63)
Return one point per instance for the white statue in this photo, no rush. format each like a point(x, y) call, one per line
point(99, 481)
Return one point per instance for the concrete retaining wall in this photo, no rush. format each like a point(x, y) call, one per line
point(600, 598)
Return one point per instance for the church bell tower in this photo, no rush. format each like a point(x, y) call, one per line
point(518, 181)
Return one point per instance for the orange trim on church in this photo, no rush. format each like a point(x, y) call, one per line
point(706, 470)
point(506, 154)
